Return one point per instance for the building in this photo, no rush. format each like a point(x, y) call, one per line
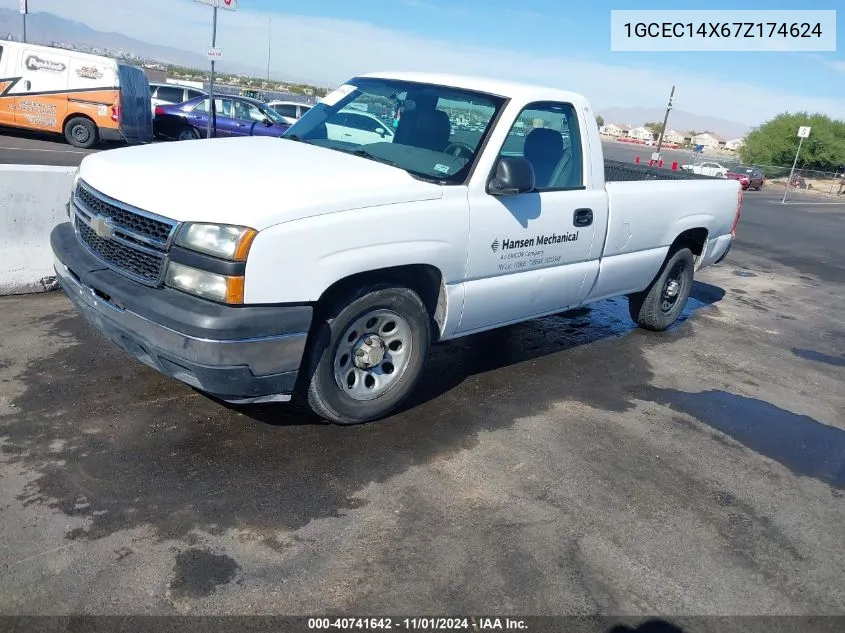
point(709, 140)
point(641, 134)
point(735, 144)
point(611, 129)
point(677, 138)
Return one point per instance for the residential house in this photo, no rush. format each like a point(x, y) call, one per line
point(709, 140)
point(641, 134)
point(735, 144)
point(614, 130)
point(678, 138)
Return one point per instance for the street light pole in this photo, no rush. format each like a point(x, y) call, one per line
point(269, 44)
point(212, 119)
point(665, 121)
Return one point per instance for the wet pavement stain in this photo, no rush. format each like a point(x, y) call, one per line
point(819, 357)
point(198, 573)
point(804, 445)
point(744, 273)
point(144, 450)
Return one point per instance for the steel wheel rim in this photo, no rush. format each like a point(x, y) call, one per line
point(372, 355)
point(673, 288)
point(80, 133)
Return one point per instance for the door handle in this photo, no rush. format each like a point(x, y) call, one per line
point(582, 217)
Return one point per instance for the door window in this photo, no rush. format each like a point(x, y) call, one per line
point(285, 109)
point(248, 112)
point(363, 123)
point(223, 107)
point(173, 94)
point(547, 135)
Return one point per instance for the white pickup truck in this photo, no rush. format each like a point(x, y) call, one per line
point(256, 269)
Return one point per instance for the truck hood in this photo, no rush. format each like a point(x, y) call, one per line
point(253, 181)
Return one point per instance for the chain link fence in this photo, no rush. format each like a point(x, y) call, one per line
point(805, 184)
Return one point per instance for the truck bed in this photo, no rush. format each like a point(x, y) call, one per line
point(617, 171)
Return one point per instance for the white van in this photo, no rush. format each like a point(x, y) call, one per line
point(87, 98)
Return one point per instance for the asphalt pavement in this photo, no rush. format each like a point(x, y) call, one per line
point(570, 465)
point(25, 148)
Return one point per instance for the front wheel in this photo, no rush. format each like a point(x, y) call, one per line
point(367, 357)
point(657, 307)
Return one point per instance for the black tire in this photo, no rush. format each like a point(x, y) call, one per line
point(324, 366)
point(82, 133)
point(654, 308)
point(187, 134)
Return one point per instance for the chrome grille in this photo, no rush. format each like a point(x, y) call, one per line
point(124, 258)
point(130, 241)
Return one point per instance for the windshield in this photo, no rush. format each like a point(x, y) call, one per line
point(430, 131)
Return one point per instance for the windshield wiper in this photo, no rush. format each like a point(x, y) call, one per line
point(293, 137)
point(360, 151)
point(368, 154)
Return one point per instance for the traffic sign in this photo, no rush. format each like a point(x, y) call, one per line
point(214, 54)
point(804, 131)
point(230, 5)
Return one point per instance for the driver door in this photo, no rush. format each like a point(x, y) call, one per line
point(248, 119)
point(535, 253)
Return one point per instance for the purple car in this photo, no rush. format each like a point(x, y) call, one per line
point(236, 116)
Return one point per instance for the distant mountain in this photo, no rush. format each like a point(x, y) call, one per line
point(678, 120)
point(46, 28)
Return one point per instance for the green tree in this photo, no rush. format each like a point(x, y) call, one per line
point(656, 127)
point(600, 120)
point(776, 141)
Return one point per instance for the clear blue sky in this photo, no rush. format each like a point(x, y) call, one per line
point(563, 43)
point(576, 27)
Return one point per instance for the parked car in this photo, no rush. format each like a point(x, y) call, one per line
point(290, 111)
point(749, 177)
point(167, 94)
point(361, 128)
point(236, 116)
point(328, 268)
point(707, 169)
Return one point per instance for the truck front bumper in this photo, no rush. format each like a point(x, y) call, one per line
point(237, 354)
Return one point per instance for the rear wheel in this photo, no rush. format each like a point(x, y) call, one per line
point(187, 134)
point(367, 354)
point(659, 306)
point(81, 132)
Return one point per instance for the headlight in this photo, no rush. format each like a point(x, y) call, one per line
point(205, 284)
point(219, 240)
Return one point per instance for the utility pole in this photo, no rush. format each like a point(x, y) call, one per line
point(269, 44)
point(665, 121)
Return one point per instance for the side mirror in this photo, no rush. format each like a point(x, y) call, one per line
point(514, 175)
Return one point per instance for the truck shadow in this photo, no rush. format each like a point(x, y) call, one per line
point(452, 363)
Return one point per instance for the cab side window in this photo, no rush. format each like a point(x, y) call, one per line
point(547, 135)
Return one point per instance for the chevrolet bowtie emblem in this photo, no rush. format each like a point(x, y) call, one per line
point(102, 227)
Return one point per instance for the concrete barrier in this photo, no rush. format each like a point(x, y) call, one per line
point(33, 199)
